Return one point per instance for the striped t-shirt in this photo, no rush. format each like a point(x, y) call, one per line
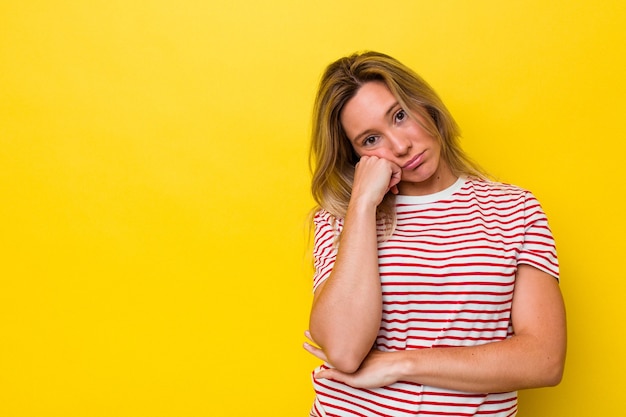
point(447, 275)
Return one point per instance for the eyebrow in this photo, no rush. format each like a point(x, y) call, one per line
point(365, 132)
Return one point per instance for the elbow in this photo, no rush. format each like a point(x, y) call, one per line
point(554, 373)
point(557, 366)
point(346, 363)
point(345, 357)
point(343, 354)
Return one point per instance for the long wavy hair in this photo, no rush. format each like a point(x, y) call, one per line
point(332, 158)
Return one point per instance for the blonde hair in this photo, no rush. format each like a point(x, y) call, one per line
point(332, 158)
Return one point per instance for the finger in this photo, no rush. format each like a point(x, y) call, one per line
point(396, 175)
point(331, 373)
point(322, 374)
point(394, 180)
point(315, 351)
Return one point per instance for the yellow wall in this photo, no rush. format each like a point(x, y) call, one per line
point(154, 186)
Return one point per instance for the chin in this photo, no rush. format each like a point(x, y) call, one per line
point(414, 178)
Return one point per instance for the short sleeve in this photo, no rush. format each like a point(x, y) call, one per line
point(539, 248)
point(324, 246)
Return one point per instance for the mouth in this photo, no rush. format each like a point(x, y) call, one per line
point(414, 162)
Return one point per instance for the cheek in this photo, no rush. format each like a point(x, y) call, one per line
point(437, 146)
point(430, 141)
point(379, 153)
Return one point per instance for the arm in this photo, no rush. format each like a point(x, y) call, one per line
point(347, 307)
point(533, 357)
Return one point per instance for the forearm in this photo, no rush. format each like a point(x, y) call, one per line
point(346, 313)
point(509, 365)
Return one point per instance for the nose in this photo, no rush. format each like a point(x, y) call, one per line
point(400, 145)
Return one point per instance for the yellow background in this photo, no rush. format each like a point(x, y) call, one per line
point(154, 186)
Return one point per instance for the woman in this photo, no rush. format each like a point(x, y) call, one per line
point(435, 290)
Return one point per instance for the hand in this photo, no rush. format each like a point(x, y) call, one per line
point(374, 177)
point(376, 371)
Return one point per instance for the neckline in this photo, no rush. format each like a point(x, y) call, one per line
point(431, 198)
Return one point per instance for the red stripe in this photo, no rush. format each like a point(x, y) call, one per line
point(416, 311)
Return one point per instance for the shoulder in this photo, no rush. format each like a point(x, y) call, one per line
point(325, 219)
point(488, 187)
point(323, 216)
point(502, 195)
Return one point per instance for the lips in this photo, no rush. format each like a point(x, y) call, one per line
point(414, 162)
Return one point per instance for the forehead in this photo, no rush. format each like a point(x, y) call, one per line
point(370, 94)
point(370, 105)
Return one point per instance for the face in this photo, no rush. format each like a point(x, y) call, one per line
point(377, 125)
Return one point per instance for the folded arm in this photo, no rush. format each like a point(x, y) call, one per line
point(533, 357)
point(347, 307)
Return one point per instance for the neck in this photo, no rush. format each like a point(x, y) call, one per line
point(439, 181)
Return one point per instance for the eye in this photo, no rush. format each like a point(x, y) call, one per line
point(400, 115)
point(370, 140)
